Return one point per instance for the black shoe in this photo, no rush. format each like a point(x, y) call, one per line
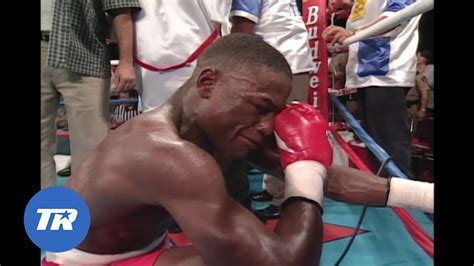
point(262, 196)
point(65, 172)
point(270, 212)
point(174, 228)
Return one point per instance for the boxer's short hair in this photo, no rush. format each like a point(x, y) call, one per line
point(243, 50)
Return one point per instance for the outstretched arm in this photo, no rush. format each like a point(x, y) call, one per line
point(355, 186)
point(358, 187)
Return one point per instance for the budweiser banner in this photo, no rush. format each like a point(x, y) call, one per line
point(314, 15)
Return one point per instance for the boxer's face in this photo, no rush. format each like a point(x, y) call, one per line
point(241, 110)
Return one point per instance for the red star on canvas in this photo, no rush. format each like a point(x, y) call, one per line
point(331, 232)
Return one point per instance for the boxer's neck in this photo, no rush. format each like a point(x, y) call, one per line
point(185, 118)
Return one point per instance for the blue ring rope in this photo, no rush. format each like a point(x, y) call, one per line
point(379, 153)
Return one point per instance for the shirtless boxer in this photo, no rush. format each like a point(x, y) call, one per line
point(169, 162)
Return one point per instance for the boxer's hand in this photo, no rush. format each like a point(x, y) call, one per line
point(304, 150)
point(356, 186)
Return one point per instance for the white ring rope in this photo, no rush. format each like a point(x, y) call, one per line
point(412, 10)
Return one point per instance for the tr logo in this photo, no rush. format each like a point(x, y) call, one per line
point(57, 219)
point(61, 217)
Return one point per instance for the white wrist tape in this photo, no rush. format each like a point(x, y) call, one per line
point(411, 194)
point(305, 179)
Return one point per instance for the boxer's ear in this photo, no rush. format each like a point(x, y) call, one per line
point(206, 82)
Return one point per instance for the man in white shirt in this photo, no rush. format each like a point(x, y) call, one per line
point(169, 36)
point(382, 68)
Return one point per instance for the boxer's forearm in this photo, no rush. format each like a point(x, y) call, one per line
point(354, 186)
point(301, 229)
point(358, 187)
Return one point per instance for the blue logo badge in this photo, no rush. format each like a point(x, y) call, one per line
point(57, 219)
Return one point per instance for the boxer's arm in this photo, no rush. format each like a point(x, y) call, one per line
point(358, 187)
point(342, 183)
point(355, 186)
point(222, 231)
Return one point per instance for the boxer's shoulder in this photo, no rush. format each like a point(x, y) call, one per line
point(179, 170)
point(167, 161)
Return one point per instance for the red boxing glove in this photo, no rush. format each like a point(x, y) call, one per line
point(305, 152)
point(301, 133)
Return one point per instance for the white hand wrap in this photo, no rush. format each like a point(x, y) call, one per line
point(305, 179)
point(411, 194)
